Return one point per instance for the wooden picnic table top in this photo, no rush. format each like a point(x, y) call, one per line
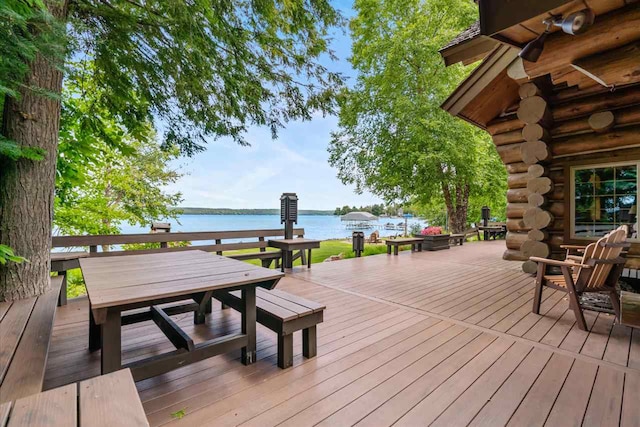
point(66, 256)
point(293, 244)
point(119, 281)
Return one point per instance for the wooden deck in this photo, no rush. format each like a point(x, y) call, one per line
point(444, 338)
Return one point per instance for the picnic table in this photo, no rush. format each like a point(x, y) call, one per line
point(117, 284)
point(288, 246)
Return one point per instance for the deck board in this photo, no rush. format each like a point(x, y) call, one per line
point(445, 337)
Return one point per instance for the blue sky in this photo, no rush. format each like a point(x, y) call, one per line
point(231, 176)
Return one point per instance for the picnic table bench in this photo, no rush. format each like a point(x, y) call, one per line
point(105, 401)
point(25, 334)
point(284, 314)
point(415, 242)
point(460, 238)
point(61, 262)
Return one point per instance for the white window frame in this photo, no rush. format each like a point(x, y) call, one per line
point(572, 195)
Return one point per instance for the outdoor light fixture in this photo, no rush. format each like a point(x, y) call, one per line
point(573, 24)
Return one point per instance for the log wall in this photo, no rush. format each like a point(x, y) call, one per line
point(546, 134)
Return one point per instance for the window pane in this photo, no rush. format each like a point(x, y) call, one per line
point(604, 198)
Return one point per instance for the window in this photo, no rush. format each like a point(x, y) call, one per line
point(604, 197)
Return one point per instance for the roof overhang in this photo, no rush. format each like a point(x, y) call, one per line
point(498, 15)
point(469, 51)
point(488, 91)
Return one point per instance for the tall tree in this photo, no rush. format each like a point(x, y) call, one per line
point(205, 68)
point(394, 139)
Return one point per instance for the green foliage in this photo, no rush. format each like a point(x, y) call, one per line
point(394, 138)
point(7, 255)
point(208, 68)
point(107, 172)
point(179, 414)
point(26, 29)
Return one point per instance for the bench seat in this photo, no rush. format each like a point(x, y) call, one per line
point(415, 242)
point(25, 333)
point(284, 314)
point(108, 400)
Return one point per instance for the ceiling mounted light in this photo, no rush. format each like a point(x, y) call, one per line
point(575, 23)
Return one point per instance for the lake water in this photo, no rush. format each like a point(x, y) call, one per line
point(319, 227)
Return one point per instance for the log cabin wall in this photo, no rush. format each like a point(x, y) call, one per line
point(594, 125)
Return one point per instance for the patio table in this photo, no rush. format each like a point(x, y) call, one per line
point(120, 283)
point(288, 246)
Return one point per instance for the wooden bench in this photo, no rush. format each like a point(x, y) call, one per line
point(460, 238)
point(284, 314)
point(108, 400)
point(25, 333)
point(415, 242)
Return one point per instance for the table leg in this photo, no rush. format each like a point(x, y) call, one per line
point(388, 249)
point(396, 248)
point(95, 334)
point(111, 343)
point(62, 298)
point(248, 355)
point(309, 259)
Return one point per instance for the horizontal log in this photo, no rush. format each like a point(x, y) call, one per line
point(557, 176)
point(516, 224)
point(504, 124)
point(517, 180)
point(542, 185)
point(517, 195)
point(556, 209)
point(517, 167)
point(529, 267)
point(623, 116)
point(596, 142)
point(508, 137)
point(535, 132)
point(516, 210)
point(515, 240)
point(613, 67)
point(536, 199)
point(537, 235)
point(557, 194)
point(592, 104)
point(609, 31)
point(535, 248)
point(535, 110)
point(533, 152)
point(536, 171)
point(537, 218)
point(602, 121)
point(510, 153)
point(529, 89)
point(513, 255)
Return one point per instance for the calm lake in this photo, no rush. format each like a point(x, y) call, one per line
point(320, 227)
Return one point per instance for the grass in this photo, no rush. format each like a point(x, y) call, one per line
point(75, 282)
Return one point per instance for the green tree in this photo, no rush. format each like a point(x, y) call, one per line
point(205, 69)
point(107, 175)
point(394, 139)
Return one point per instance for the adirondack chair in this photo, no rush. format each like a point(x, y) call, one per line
point(598, 271)
point(575, 252)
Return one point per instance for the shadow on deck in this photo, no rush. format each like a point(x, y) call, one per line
point(431, 337)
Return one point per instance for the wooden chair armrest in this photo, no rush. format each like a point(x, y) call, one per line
point(577, 247)
point(618, 260)
point(557, 263)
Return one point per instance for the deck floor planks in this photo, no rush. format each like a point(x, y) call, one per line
point(389, 303)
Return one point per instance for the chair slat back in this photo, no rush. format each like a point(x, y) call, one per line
point(599, 250)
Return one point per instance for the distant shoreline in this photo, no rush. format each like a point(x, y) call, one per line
point(226, 211)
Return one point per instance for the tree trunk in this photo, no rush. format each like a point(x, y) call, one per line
point(456, 207)
point(27, 186)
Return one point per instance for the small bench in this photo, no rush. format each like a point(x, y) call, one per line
point(61, 262)
point(108, 400)
point(25, 333)
point(284, 314)
point(415, 242)
point(460, 238)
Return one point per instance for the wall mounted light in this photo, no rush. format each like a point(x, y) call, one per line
point(575, 23)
